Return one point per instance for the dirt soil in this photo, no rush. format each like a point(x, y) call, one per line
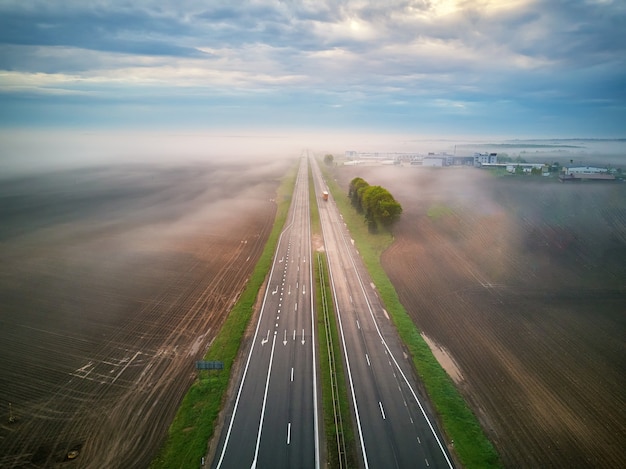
point(522, 282)
point(114, 281)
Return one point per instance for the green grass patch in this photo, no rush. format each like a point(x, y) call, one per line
point(194, 423)
point(471, 445)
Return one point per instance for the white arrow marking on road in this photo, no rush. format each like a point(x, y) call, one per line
point(267, 339)
point(289, 291)
point(303, 290)
point(285, 339)
point(296, 307)
point(302, 336)
point(267, 385)
point(296, 285)
point(275, 291)
point(294, 335)
point(357, 324)
point(282, 259)
point(381, 409)
point(292, 374)
point(368, 360)
point(288, 432)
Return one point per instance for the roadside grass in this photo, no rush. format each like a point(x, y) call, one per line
point(324, 302)
point(472, 447)
point(194, 423)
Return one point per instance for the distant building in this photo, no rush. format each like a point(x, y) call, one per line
point(525, 167)
point(584, 170)
point(433, 161)
point(585, 173)
point(485, 158)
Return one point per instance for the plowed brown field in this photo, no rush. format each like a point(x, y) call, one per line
point(523, 283)
point(113, 281)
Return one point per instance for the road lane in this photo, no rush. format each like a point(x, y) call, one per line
point(393, 427)
point(273, 421)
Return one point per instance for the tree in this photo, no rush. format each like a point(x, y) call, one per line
point(328, 159)
point(377, 204)
point(380, 206)
point(357, 186)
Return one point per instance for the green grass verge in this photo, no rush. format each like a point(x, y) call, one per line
point(471, 445)
point(194, 423)
point(330, 430)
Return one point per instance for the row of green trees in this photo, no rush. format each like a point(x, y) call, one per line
point(375, 202)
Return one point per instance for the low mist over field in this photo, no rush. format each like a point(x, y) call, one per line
point(520, 281)
point(142, 144)
point(117, 270)
point(71, 218)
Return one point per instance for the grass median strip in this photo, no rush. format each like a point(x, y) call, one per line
point(194, 423)
point(340, 442)
point(471, 445)
point(338, 429)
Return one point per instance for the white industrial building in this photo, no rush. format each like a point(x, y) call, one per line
point(433, 161)
point(584, 170)
point(485, 158)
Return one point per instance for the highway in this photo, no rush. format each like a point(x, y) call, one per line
point(273, 421)
point(393, 428)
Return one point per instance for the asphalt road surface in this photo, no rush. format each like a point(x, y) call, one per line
point(273, 422)
point(393, 427)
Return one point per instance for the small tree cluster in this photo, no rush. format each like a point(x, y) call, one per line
point(329, 159)
point(375, 202)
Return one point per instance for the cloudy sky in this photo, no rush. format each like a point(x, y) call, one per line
point(516, 68)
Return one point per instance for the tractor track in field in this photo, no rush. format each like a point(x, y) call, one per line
point(108, 387)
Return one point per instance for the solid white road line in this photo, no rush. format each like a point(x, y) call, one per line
point(267, 385)
point(386, 348)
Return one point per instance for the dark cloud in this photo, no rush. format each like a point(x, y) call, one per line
point(132, 32)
